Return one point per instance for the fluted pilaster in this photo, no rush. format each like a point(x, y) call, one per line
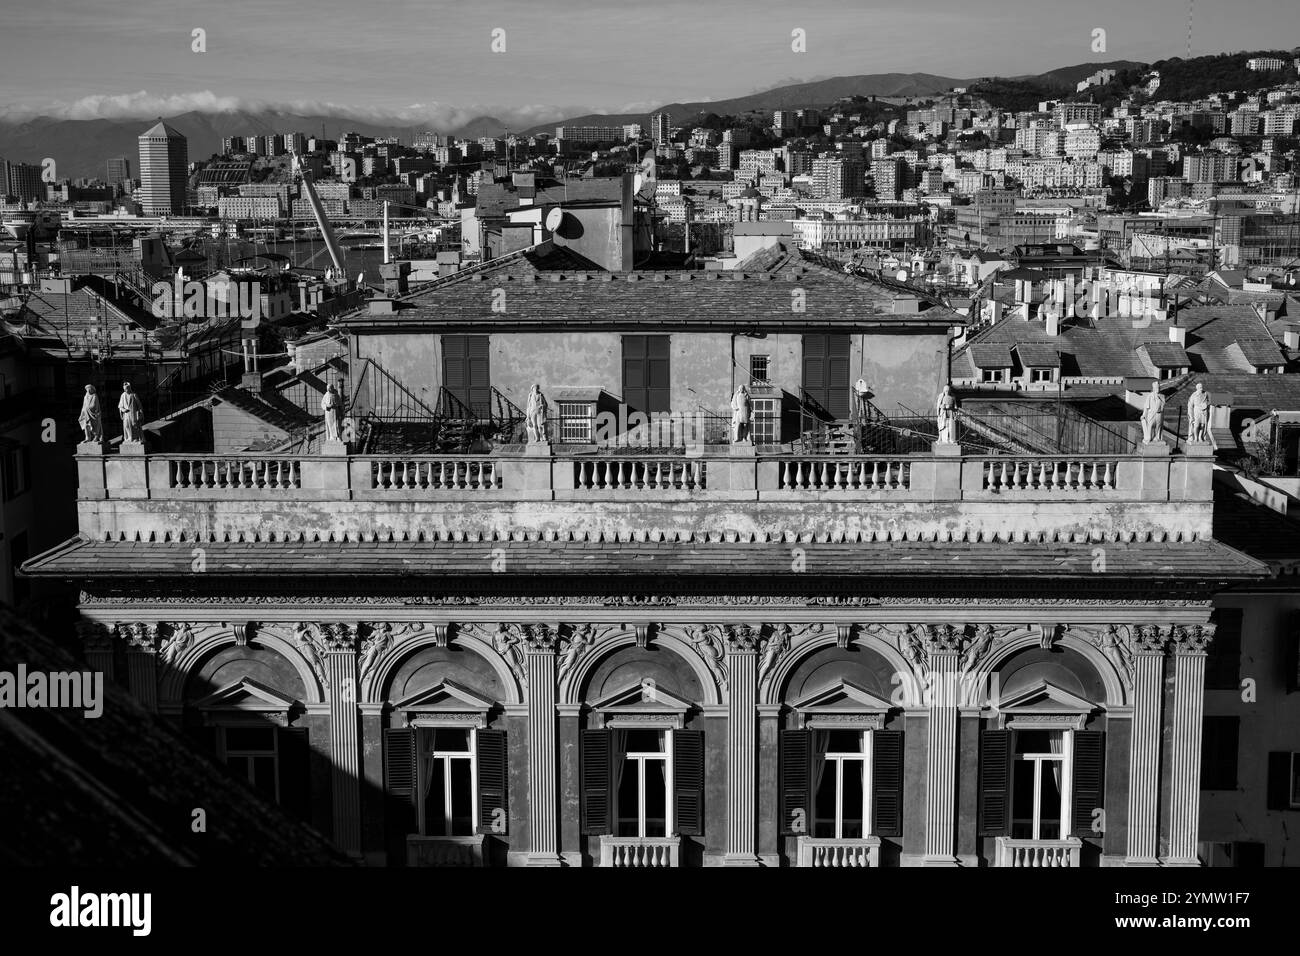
point(141, 662)
point(339, 643)
point(539, 642)
point(943, 645)
point(1144, 747)
point(1189, 645)
point(741, 650)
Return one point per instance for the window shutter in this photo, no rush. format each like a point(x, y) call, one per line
point(596, 777)
point(887, 783)
point(295, 771)
point(400, 769)
point(1292, 639)
point(1089, 778)
point(1220, 736)
point(688, 781)
point(204, 740)
point(1279, 780)
point(493, 783)
point(1224, 661)
point(796, 782)
point(995, 783)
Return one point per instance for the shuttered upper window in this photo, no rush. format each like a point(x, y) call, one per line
point(646, 386)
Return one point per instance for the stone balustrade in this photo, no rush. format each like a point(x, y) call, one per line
point(856, 853)
point(1038, 852)
point(943, 496)
point(640, 852)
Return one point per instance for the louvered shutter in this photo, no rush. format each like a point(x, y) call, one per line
point(688, 781)
point(596, 798)
point(295, 771)
point(493, 782)
point(887, 783)
point(995, 783)
point(1089, 779)
point(647, 373)
point(400, 770)
point(796, 782)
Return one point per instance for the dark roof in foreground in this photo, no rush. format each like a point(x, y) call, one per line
point(584, 560)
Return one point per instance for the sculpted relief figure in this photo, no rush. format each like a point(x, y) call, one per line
point(1153, 414)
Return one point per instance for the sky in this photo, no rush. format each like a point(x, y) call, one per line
point(433, 60)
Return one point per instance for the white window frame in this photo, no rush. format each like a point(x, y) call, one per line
point(1040, 760)
point(427, 754)
point(765, 421)
point(767, 368)
point(992, 375)
point(273, 753)
point(840, 758)
point(1041, 375)
point(577, 422)
point(641, 757)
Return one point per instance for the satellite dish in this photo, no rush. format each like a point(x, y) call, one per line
point(554, 218)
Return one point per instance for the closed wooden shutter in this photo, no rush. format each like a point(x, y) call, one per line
point(295, 771)
point(826, 374)
point(887, 783)
point(1219, 744)
point(1089, 779)
point(1223, 662)
point(688, 781)
point(1279, 780)
point(995, 783)
point(646, 386)
point(465, 372)
point(596, 798)
point(493, 782)
point(796, 782)
point(400, 783)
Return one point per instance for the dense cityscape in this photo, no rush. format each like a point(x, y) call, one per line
point(877, 481)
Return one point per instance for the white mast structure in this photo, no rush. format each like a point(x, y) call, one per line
point(326, 231)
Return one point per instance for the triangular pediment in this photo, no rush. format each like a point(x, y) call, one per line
point(843, 697)
point(245, 694)
point(1045, 698)
point(445, 697)
point(643, 697)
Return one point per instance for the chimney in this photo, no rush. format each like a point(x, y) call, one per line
point(1291, 337)
point(1177, 334)
point(1053, 323)
point(395, 277)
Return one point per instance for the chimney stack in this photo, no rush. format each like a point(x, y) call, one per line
point(1177, 334)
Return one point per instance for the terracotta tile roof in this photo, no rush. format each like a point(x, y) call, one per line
point(584, 560)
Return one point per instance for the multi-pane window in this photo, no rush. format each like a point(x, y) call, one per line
point(251, 754)
point(15, 472)
point(1040, 784)
point(1040, 375)
point(841, 784)
point(758, 369)
point(643, 782)
point(577, 422)
point(765, 419)
point(447, 781)
point(991, 375)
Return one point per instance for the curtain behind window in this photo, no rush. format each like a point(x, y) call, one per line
point(1057, 743)
point(425, 751)
point(620, 759)
point(821, 742)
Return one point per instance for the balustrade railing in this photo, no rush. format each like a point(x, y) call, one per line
point(236, 473)
point(640, 474)
point(1057, 853)
point(1049, 474)
point(640, 852)
point(843, 474)
point(441, 474)
point(858, 853)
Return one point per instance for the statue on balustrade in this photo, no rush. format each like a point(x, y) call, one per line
point(535, 416)
point(1153, 412)
point(741, 410)
point(1198, 415)
point(90, 420)
point(331, 404)
point(129, 407)
point(946, 410)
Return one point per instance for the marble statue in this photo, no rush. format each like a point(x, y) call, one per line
point(1153, 414)
point(1198, 415)
point(741, 408)
point(331, 404)
point(90, 420)
point(535, 416)
point(129, 407)
point(946, 410)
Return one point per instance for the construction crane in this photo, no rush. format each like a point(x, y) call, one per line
point(317, 210)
